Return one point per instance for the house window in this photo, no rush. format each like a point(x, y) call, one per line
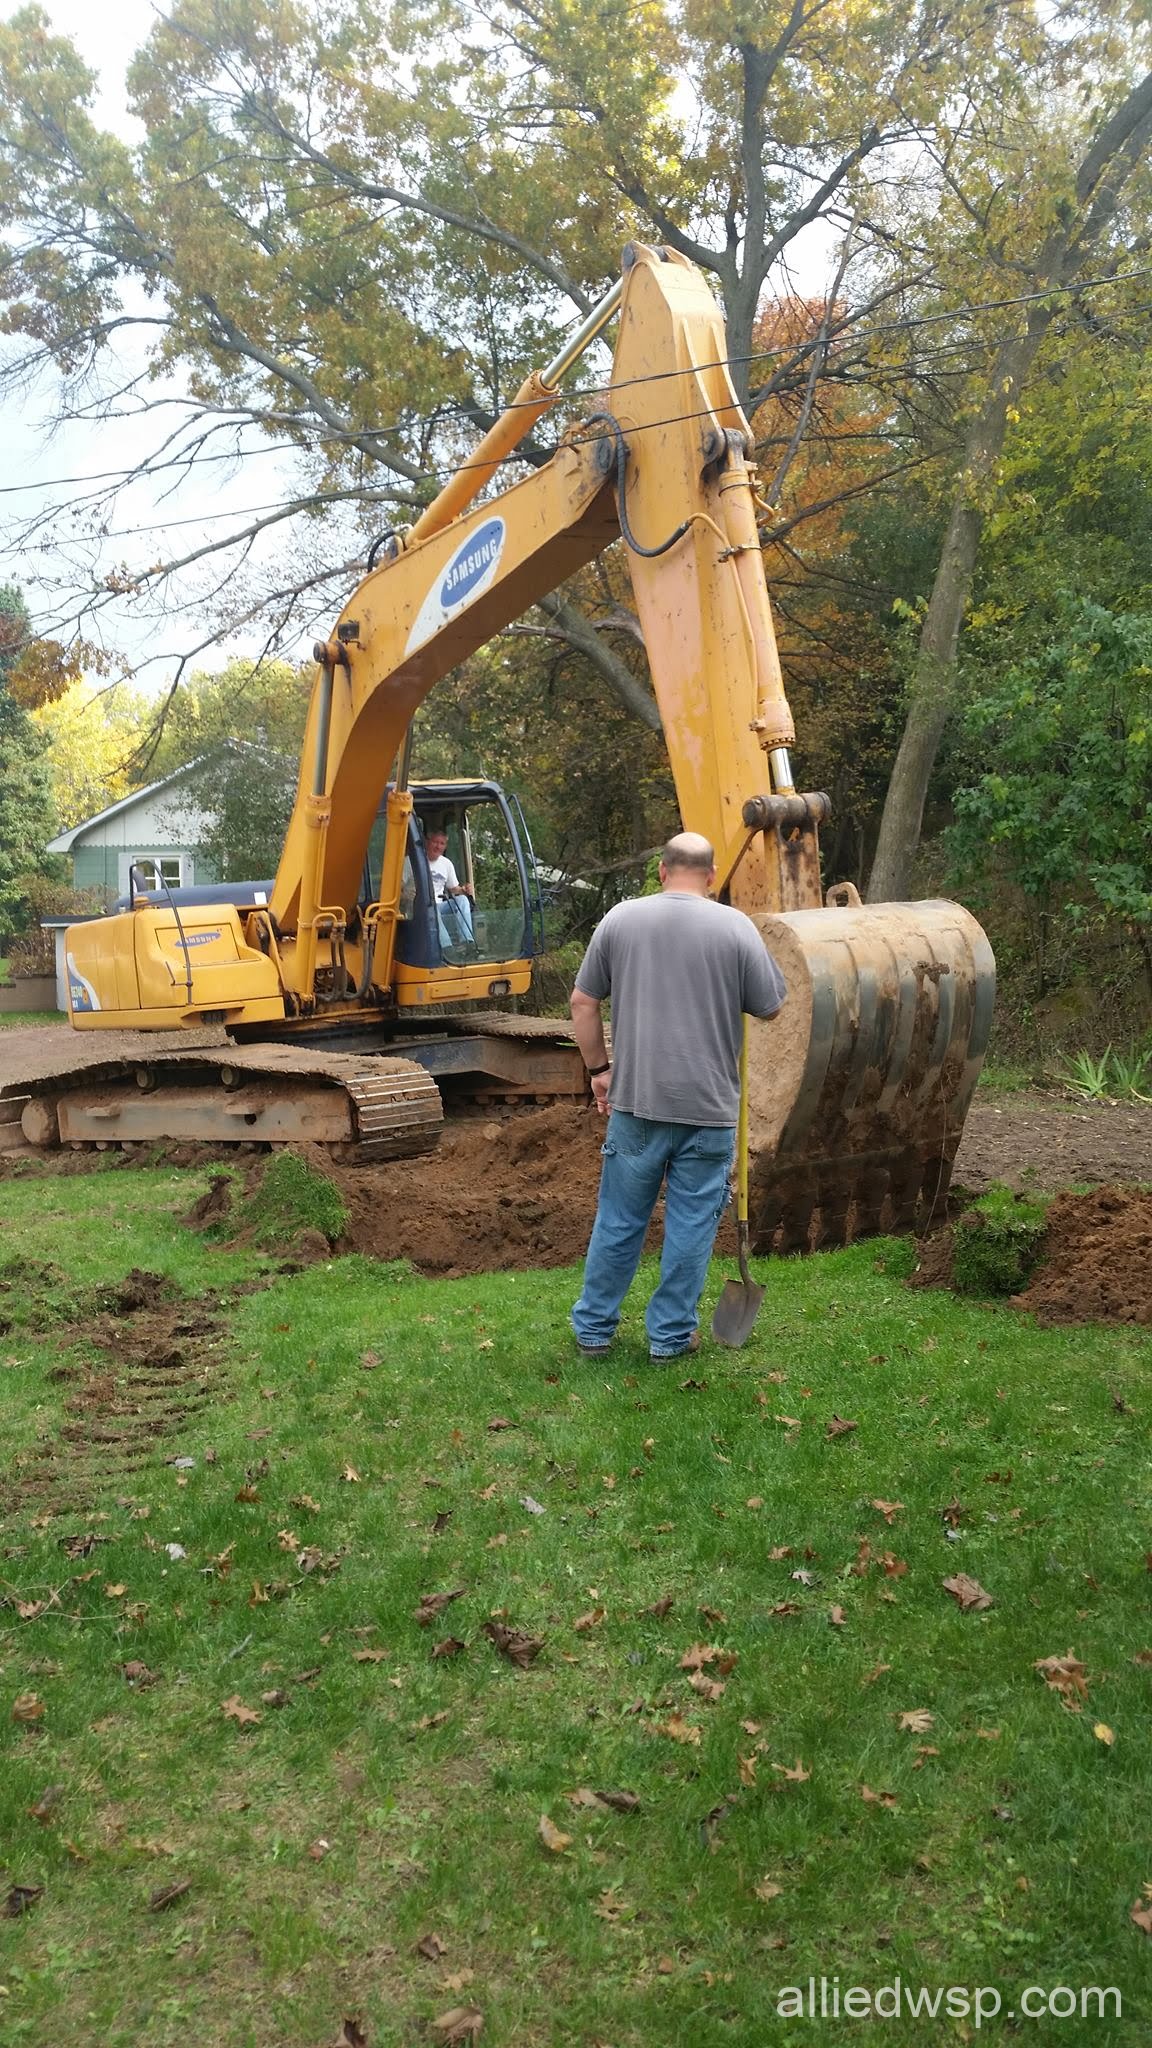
point(159, 870)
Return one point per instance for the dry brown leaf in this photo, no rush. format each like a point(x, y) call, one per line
point(458, 1980)
point(751, 1727)
point(1143, 1658)
point(766, 1890)
point(924, 1750)
point(663, 1606)
point(462, 2023)
point(234, 1710)
point(519, 1648)
point(837, 1617)
point(115, 1592)
point(1141, 1914)
point(781, 1550)
point(247, 1493)
point(876, 1672)
point(747, 1768)
point(351, 2035)
point(20, 1899)
point(708, 1688)
point(430, 1947)
point(1067, 1676)
point(888, 1508)
point(757, 1501)
point(430, 1721)
point(432, 1604)
point(592, 1619)
point(796, 1776)
point(872, 1798)
point(968, 1593)
point(449, 1646)
point(679, 1730)
point(698, 1655)
point(45, 1808)
point(987, 1735)
point(370, 1656)
point(916, 1722)
point(895, 1568)
point(138, 1675)
point(839, 1426)
point(501, 1422)
point(29, 1610)
point(350, 1476)
point(27, 1707)
point(553, 1838)
point(1104, 1734)
point(276, 1698)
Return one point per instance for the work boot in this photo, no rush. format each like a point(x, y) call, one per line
point(666, 1357)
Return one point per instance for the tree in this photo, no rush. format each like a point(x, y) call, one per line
point(359, 272)
point(1063, 807)
point(27, 818)
point(1046, 238)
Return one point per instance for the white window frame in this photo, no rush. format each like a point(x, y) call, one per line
point(157, 861)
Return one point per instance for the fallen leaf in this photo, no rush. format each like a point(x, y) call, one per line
point(713, 1615)
point(27, 1707)
point(917, 1722)
point(462, 2023)
point(839, 1427)
point(430, 1947)
point(352, 2034)
point(277, 1698)
point(450, 1646)
point(660, 1608)
point(987, 1735)
point(592, 1619)
point(458, 1980)
point(766, 1890)
point(876, 1672)
point(782, 1550)
point(698, 1655)
point(1104, 1734)
point(1143, 1658)
point(501, 1422)
point(757, 1501)
point(924, 1750)
point(115, 1592)
point(167, 1894)
point(553, 1838)
point(796, 1776)
point(954, 1513)
point(30, 1610)
point(370, 1656)
point(519, 1648)
point(46, 1805)
point(888, 1508)
point(20, 1899)
point(968, 1593)
point(783, 1609)
point(895, 1568)
point(247, 1493)
point(431, 1721)
point(837, 1617)
point(287, 1539)
point(872, 1798)
point(751, 1727)
point(1067, 1676)
point(533, 1506)
point(318, 1849)
point(432, 1604)
point(138, 1675)
point(679, 1730)
point(1141, 1913)
point(708, 1688)
point(747, 1769)
point(234, 1710)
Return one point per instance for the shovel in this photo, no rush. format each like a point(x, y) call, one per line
point(739, 1304)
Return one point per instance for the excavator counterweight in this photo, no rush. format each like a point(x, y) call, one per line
point(343, 984)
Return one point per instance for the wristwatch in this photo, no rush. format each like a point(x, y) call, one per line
point(593, 1071)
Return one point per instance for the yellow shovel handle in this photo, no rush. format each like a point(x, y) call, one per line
point(742, 1134)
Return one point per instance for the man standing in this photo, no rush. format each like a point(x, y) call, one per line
point(681, 971)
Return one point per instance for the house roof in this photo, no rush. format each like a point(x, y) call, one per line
point(65, 841)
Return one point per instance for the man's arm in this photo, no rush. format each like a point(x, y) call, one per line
point(455, 887)
point(588, 1031)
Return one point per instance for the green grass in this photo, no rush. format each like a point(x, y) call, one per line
point(10, 1019)
point(354, 1402)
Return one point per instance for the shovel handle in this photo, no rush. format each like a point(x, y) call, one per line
point(742, 1135)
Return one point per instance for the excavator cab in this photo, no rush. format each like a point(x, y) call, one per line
point(486, 841)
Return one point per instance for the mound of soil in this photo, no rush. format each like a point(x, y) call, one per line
point(496, 1196)
point(1097, 1260)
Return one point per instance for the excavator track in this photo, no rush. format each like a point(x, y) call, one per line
point(364, 1106)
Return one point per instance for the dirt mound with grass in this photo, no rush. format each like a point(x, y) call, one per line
point(1096, 1264)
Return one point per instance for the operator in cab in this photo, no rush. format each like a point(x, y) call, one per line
point(454, 899)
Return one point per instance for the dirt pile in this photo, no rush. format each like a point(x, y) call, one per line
point(1096, 1264)
point(499, 1195)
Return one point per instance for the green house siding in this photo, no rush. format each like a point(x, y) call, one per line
point(106, 867)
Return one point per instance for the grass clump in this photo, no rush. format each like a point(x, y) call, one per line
point(997, 1244)
point(292, 1196)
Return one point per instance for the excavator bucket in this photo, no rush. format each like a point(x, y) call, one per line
point(858, 1089)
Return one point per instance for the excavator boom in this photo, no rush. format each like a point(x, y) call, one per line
point(859, 1093)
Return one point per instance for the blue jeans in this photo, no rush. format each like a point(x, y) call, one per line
point(693, 1163)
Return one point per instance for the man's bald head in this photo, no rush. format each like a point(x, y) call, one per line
point(687, 862)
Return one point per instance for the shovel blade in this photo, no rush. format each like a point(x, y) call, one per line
point(734, 1316)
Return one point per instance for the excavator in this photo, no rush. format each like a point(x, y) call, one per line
point(349, 1003)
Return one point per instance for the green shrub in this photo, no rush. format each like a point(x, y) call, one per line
point(997, 1243)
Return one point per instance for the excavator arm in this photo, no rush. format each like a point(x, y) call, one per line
point(858, 1091)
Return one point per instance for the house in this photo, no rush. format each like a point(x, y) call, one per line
point(156, 830)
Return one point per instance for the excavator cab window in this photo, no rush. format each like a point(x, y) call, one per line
point(497, 923)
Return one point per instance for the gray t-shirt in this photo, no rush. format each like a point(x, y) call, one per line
point(681, 971)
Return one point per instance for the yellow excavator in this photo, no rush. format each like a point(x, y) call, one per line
point(340, 984)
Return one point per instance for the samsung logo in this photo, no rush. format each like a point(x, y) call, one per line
point(472, 563)
point(197, 939)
